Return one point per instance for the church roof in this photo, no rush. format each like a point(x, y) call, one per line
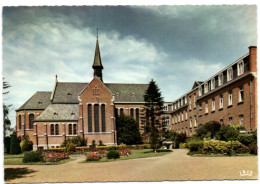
point(97, 57)
point(60, 112)
point(40, 100)
point(67, 92)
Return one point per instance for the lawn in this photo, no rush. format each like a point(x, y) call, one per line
point(144, 153)
point(194, 154)
point(17, 160)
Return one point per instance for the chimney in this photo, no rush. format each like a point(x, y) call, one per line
point(253, 59)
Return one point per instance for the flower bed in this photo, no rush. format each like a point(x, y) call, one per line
point(124, 151)
point(94, 156)
point(51, 156)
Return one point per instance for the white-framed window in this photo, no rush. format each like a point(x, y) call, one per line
point(179, 118)
point(194, 103)
point(200, 106)
point(230, 98)
point(190, 102)
point(195, 121)
point(206, 107)
point(186, 115)
point(185, 99)
point(165, 107)
point(206, 88)
point(190, 121)
point(240, 68)
point(175, 105)
point(241, 120)
point(181, 102)
point(220, 101)
point(200, 91)
point(182, 117)
point(176, 121)
point(213, 104)
point(241, 94)
point(212, 83)
point(220, 79)
point(229, 74)
point(230, 120)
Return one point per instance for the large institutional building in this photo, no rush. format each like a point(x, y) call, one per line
point(90, 109)
point(229, 96)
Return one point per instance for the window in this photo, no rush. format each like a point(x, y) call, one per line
point(137, 115)
point(190, 102)
point(220, 101)
point(75, 129)
point(182, 117)
point(52, 129)
point(186, 115)
point(220, 79)
point(200, 91)
point(121, 112)
point(179, 118)
point(20, 121)
point(200, 106)
point(206, 107)
point(57, 129)
point(190, 122)
point(230, 120)
point(89, 118)
point(212, 83)
point(70, 129)
point(96, 117)
point(206, 87)
point(221, 122)
point(103, 116)
point(229, 98)
point(185, 99)
point(132, 112)
point(241, 94)
point(31, 119)
point(181, 102)
point(194, 103)
point(229, 74)
point(213, 104)
point(195, 121)
point(241, 120)
point(240, 68)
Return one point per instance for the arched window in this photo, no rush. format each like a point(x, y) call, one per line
point(20, 122)
point(70, 129)
point(52, 129)
point(74, 129)
point(121, 112)
point(103, 116)
point(89, 118)
point(57, 129)
point(31, 120)
point(137, 115)
point(132, 112)
point(96, 117)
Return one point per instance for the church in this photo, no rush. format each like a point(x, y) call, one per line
point(85, 109)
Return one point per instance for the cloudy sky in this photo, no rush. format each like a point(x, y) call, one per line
point(174, 45)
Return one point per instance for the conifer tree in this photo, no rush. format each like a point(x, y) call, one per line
point(153, 111)
point(14, 145)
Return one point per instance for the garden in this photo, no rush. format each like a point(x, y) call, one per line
point(213, 139)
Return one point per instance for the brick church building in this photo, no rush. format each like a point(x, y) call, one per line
point(85, 109)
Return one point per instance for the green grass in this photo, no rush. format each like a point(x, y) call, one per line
point(17, 160)
point(218, 155)
point(144, 153)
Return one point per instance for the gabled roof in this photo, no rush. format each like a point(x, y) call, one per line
point(67, 92)
point(60, 112)
point(40, 100)
point(196, 83)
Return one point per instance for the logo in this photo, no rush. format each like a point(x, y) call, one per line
point(246, 173)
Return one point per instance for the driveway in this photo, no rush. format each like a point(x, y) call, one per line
point(174, 166)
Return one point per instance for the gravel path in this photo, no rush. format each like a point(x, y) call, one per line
point(174, 166)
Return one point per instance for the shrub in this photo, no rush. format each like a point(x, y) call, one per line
point(183, 145)
point(14, 145)
point(112, 148)
point(93, 145)
point(195, 145)
point(208, 130)
point(124, 151)
point(77, 141)
point(26, 144)
point(180, 138)
point(94, 156)
point(70, 148)
point(214, 146)
point(253, 149)
point(51, 156)
point(246, 139)
point(32, 156)
point(113, 154)
point(7, 141)
point(101, 143)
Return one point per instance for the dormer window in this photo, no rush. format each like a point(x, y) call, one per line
point(200, 91)
point(229, 74)
point(117, 94)
point(69, 94)
point(240, 68)
point(212, 83)
point(220, 79)
point(133, 94)
point(72, 114)
point(206, 87)
point(55, 114)
point(39, 103)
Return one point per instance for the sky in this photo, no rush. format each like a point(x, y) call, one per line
point(174, 45)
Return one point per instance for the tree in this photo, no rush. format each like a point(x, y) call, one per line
point(26, 144)
point(6, 120)
point(153, 111)
point(210, 128)
point(15, 145)
point(127, 130)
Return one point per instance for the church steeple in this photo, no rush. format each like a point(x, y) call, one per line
point(97, 65)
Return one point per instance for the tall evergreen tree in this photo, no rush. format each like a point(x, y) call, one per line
point(153, 110)
point(15, 145)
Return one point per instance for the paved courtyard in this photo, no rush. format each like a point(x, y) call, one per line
point(174, 166)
